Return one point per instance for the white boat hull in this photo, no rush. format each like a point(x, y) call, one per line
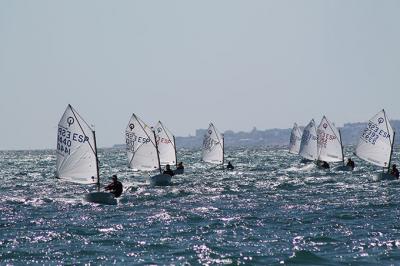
point(160, 180)
point(106, 198)
point(179, 171)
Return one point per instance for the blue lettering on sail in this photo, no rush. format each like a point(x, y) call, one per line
point(372, 133)
point(292, 139)
point(209, 143)
point(131, 139)
point(66, 138)
point(307, 136)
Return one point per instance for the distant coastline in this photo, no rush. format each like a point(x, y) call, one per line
point(270, 137)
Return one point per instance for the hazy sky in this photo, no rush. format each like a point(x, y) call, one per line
point(237, 63)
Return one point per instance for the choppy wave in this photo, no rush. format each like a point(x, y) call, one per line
point(270, 210)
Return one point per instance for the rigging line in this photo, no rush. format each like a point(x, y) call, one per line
point(390, 141)
point(216, 131)
point(330, 126)
point(134, 152)
point(140, 124)
point(387, 127)
point(299, 131)
point(340, 137)
point(79, 124)
point(166, 132)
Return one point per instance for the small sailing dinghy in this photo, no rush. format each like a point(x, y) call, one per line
point(213, 146)
point(166, 147)
point(309, 145)
point(142, 150)
point(295, 140)
point(330, 148)
point(375, 144)
point(77, 155)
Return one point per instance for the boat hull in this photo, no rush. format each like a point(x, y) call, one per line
point(101, 198)
point(179, 171)
point(343, 168)
point(160, 180)
point(305, 161)
point(384, 176)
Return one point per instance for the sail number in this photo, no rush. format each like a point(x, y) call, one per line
point(131, 138)
point(323, 138)
point(163, 141)
point(372, 132)
point(307, 136)
point(65, 138)
point(209, 143)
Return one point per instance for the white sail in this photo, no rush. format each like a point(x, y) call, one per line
point(329, 142)
point(166, 145)
point(141, 145)
point(309, 145)
point(375, 142)
point(76, 150)
point(295, 140)
point(213, 146)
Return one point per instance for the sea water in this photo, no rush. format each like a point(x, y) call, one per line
point(269, 210)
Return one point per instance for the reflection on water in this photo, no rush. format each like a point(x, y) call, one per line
point(269, 210)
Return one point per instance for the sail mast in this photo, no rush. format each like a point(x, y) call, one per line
point(341, 145)
point(391, 151)
point(158, 155)
point(176, 158)
point(97, 161)
point(223, 149)
point(219, 140)
point(391, 142)
point(168, 134)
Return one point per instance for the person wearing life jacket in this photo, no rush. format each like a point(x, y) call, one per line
point(394, 172)
point(350, 163)
point(230, 166)
point(115, 187)
point(168, 170)
point(323, 164)
point(180, 166)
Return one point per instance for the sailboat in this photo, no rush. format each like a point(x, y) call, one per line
point(330, 148)
point(295, 140)
point(77, 155)
point(166, 146)
point(213, 146)
point(142, 150)
point(309, 145)
point(375, 144)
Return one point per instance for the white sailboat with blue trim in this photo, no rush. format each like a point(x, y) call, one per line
point(309, 144)
point(295, 139)
point(213, 146)
point(375, 144)
point(77, 155)
point(142, 150)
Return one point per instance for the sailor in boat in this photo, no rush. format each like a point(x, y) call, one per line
point(168, 170)
point(323, 164)
point(180, 166)
point(350, 163)
point(115, 187)
point(394, 172)
point(230, 166)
